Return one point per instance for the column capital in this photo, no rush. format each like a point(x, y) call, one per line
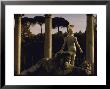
point(48, 15)
point(18, 15)
point(89, 14)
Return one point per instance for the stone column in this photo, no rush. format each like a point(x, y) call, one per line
point(17, 44)
point(48, 37)
point(90, 40)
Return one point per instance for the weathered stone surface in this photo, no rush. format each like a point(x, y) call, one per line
point(55, 66)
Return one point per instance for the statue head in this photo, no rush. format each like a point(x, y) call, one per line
point(70, 29)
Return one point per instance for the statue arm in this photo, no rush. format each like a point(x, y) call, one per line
point(77, 44)
point(63, 46)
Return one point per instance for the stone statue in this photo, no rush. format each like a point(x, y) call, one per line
point(71, 42)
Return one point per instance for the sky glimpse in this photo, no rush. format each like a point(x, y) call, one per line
point(78, 20)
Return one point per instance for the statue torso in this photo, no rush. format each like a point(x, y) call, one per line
point(70, 40)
